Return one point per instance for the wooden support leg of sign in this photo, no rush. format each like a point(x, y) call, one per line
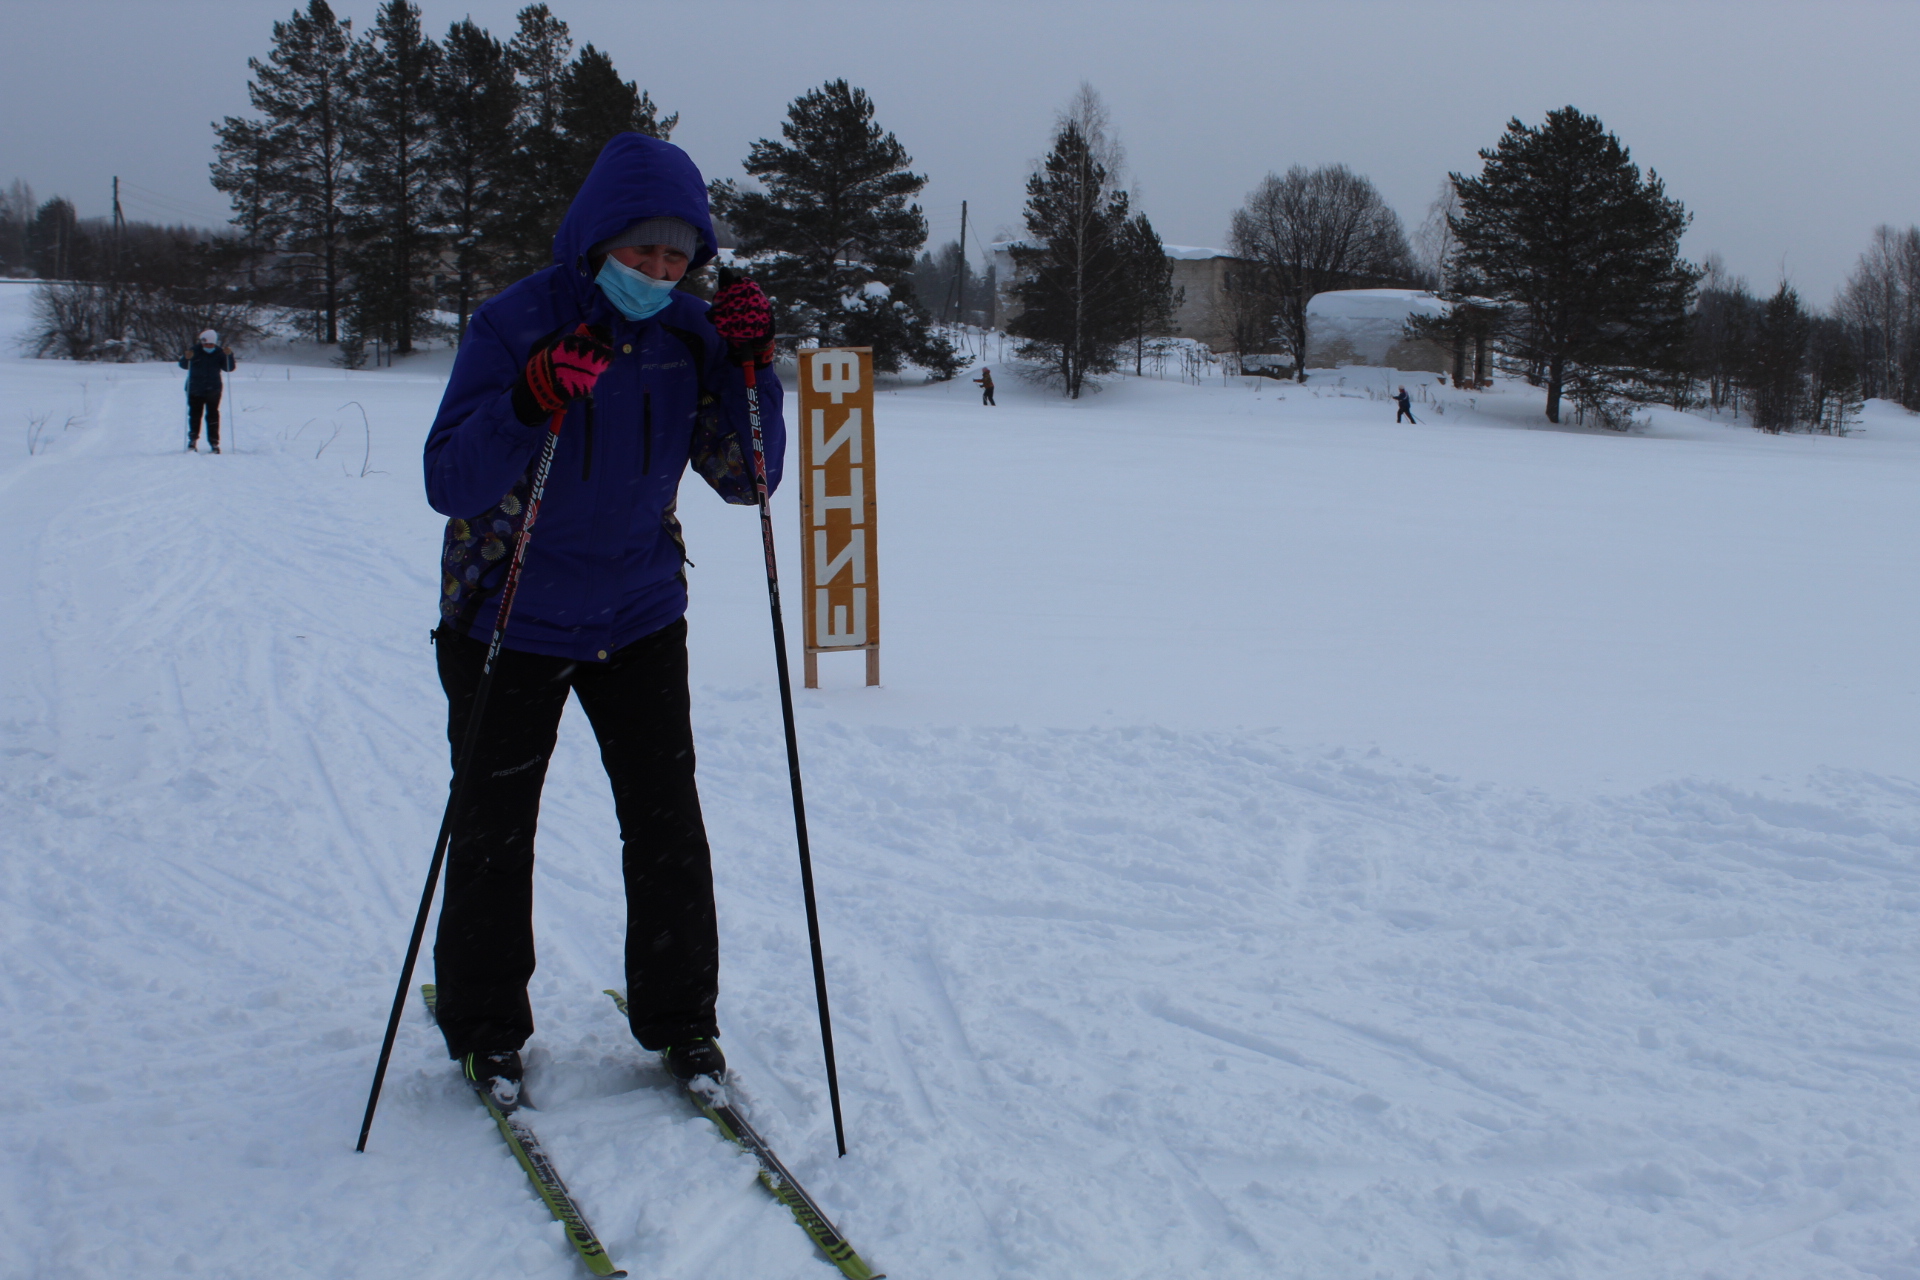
point(810, 667)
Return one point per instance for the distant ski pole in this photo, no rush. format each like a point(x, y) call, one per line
point(793, 754)
point(458, 791)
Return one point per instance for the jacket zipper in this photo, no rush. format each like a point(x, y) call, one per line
point(646, 436)
point(586, 465)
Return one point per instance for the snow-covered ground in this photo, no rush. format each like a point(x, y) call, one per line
point(1286, 844)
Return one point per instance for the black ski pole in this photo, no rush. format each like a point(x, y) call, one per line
point(459, 789)
point(793, 754)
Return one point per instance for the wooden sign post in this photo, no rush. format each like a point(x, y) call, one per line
point(839, 578)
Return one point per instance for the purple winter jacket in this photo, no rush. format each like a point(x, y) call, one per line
point(604, 565)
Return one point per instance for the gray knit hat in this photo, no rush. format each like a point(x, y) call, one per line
point(671, 232)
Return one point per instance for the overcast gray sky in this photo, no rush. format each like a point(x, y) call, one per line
point(1789, 130)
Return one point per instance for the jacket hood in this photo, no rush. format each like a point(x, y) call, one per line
point(635, 177)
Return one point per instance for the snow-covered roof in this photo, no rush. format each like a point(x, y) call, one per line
point(1393, 305)
point(1371, 321)
point(1183, 252)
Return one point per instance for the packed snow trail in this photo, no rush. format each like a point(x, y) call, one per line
point(1114, 995)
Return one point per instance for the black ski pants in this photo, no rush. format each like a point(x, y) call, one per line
point(483, 954)
point(1406, 411)
point(209, 405)
point(986, 396)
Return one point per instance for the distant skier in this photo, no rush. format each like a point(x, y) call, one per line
point(204, 365)
point(645, 384)
point(985, 383)
point(1405, 402)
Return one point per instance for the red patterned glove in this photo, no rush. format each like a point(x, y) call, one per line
point(743, 317)
point(560, 373)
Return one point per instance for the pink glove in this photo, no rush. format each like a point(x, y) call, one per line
point(560, 373)
point(742, 316)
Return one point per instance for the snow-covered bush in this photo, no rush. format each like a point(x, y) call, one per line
point(77, 321)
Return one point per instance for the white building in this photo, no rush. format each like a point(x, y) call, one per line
point(1199, 273)
point(1368, 326)
point(1344, 326)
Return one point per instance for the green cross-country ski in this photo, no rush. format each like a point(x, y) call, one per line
point(545, 1178)
point(715, 1106)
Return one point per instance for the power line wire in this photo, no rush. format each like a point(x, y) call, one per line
point(165, 203)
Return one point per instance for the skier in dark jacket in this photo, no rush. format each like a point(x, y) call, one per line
point(650, 387)
point(1405, 402)
point(204, 365)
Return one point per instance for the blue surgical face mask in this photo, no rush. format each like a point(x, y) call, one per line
point(637, 295)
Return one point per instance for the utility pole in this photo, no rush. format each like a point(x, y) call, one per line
point(960, 273)
point(119, 227)
point(116, 300)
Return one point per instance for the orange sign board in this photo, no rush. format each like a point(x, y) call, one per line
point(840, 578)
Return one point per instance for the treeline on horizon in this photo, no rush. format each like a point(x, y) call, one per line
point(387, 183)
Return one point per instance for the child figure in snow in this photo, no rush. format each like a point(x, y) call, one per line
point(1405, 402)
point(985, 383)
point(204, 365)
point(647, 386)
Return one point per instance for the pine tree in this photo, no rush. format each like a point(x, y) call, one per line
point(595, 104)
point(539, 194)
point(1472, 322)
point(15, 217)
point(1073, 282)
point(835, 232)
point(57, 247)
point(1776, 369)
point(391, 143)
point(474, 108)
point(1561, 224)
point(244, 168)
point(1833, 363)
point(1151, 299)
point(293, 162)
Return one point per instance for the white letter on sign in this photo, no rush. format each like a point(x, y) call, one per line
point(850, 502)
point(834, 632)
point(836, 372)
point(848, 435)
point(854, 553)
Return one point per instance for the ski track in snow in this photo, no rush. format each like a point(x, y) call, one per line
point(1111, 1000)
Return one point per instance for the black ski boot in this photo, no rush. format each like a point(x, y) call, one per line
point(699, 1056)
point(496, 1075)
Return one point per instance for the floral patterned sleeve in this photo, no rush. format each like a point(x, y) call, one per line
point(473, 557)
point(716, 454)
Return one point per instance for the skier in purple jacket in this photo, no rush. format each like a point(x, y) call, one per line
point(647, 386)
